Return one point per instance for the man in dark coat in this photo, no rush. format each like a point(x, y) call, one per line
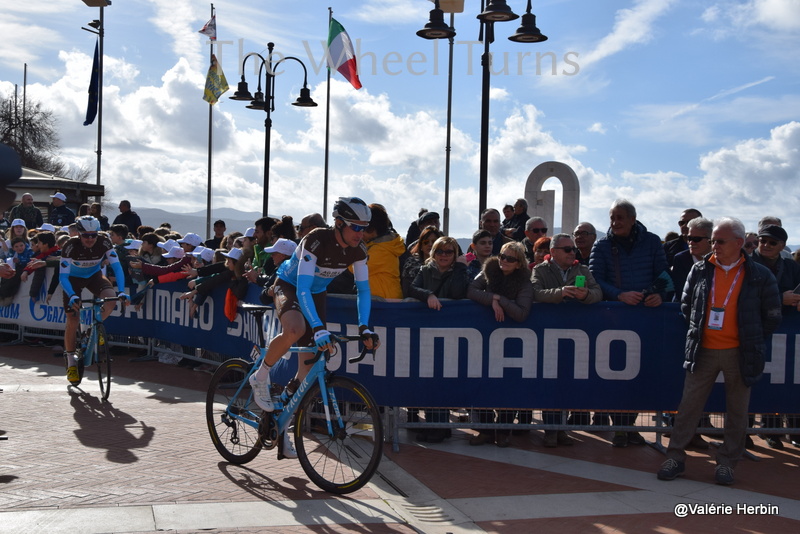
point(127, 217)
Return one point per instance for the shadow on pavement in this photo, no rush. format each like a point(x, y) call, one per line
point(104, 427)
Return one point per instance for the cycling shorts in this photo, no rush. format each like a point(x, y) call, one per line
point(97, 283)
point(285, 298)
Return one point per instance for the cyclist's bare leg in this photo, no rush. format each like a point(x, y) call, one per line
point(108, 307)
point(71, 328)
point(293, 326)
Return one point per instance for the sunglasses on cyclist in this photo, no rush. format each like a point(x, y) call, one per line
point(356, 227)
point(695, 238)
point(568, 250)
point(508, 259)
point(89, 236)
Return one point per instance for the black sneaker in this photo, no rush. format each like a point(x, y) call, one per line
point(671, 469)
point(620, 440)
point(723, 475)
point(774, 442)
point(634, 438)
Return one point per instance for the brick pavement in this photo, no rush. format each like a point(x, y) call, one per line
point(146, 456)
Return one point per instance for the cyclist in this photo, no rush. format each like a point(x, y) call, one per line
point(81, 259)
point(299, 294)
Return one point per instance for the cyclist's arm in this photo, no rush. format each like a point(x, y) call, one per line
point(116, 266)
point(364, 302)
point(63, 277)
point(306, 270)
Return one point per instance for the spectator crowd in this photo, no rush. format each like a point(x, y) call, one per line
point(513, 260)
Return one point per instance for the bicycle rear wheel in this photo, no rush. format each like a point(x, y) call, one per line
point(103, 359)
point(344, 460)
point(228, 410)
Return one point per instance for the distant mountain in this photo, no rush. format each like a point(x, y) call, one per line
point(235, 220)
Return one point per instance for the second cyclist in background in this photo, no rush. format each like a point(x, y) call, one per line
point(81, 261)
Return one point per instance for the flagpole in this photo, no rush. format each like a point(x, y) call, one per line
point(210, 120)
point(327, 130)
point(102, 30)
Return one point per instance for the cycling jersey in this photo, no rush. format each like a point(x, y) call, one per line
point(77, 261)
point(316, 262)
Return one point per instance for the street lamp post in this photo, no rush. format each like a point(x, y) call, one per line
point(99, 26)
point(266, 101)
point(495, 11)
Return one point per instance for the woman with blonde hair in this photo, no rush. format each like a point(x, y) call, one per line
point(505, 285)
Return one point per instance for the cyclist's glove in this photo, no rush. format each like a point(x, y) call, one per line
point(322, 338)
point(124, 297)
point(369, 334)
point(74, 299)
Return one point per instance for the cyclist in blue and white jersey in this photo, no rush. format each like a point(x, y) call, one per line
point(81, 261)
point(299, 291)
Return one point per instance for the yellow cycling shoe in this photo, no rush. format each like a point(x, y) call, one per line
point(73, 375)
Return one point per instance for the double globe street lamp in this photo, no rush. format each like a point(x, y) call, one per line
point(266, 101)
point(494, 11)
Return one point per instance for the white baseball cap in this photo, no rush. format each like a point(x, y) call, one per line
point(135, 244)
point(60, 196)
point(284, 246)
point(234, 254)
point(191, 239)
point(175, 252)
point(168, 244)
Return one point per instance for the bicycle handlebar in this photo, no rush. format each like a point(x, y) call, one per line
point(93, 301)
point(337, 338)
point(98, 300)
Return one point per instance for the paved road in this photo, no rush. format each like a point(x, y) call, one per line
point(144, 463)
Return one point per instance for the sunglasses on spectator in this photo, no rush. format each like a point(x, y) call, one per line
point(539, 230)
point(508, 259)
point(89, 236)
point(765, 241)
point(445, 252)
point(568, 250)
point(695, 238)
point(582, 233)
point(751, 244)
point(356, 227)
point(719, 242)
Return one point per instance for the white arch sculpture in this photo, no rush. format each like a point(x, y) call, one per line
point(542, 203)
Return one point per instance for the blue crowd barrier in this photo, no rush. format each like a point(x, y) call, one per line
point(606, 356)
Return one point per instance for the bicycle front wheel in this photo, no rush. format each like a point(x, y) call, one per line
point(103, 359)
point(343, 459)
point(231, 413)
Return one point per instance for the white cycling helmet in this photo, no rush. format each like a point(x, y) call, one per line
point(351, 209)
point(87, 223)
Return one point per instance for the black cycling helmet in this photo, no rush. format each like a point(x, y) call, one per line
point(87, 223)
point(351, 209)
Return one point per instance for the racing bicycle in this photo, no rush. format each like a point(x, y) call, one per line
point(337, 425)
point(92, 343)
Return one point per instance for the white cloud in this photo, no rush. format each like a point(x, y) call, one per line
point(695, 123)
point(498, 93)
point(632, 26)
point(597, 127)
point(769, 21)
point(177, 19)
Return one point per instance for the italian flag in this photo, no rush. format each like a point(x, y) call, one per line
point(341, 55)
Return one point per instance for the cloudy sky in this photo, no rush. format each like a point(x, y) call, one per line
point(669, 103)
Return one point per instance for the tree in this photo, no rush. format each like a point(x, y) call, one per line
point(32, 134)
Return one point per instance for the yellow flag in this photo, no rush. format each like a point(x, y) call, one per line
point(216, 84)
